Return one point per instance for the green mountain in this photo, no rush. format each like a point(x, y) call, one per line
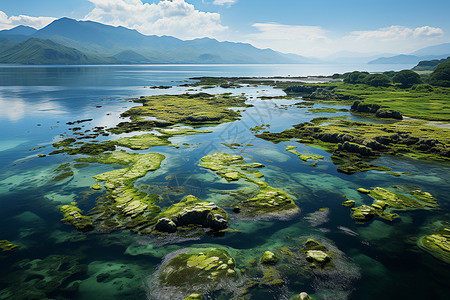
point(109, 41)
point(429, 65)
point(38, 51)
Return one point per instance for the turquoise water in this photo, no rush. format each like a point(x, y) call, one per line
point(377, 260)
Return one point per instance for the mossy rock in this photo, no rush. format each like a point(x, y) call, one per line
point(363, 191)
point(272, 277)
point(8, 246)
point(192, 211)
point(317, 255)
point(269, 201)
point(349, 203)
point(97, 187)
point(437, 244)
point(197, 271)
point(73, 216)
point(268, 258)
point(194, 297)
point(363, 213)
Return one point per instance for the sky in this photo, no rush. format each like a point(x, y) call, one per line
point(316, 28)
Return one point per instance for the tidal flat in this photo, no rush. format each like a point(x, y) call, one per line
point(232, 188)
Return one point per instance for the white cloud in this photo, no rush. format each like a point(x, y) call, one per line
point(224, 2)
point(175, 18)
point(13, 21)
point(305, 40)
point(316, 41)
point(427, 31)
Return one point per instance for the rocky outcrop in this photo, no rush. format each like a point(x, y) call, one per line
point(192, 211)
point(300, 89)
point(356, 148)
point(375, 109)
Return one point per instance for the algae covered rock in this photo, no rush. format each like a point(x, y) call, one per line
point(349, 203)
point(317, 254)
point(269, 201)
point(363, 213)
point(7, 246)
point(268, 258)
point(194, 297)
point(73, 216)
point(97, 187)
point(437, 244)
point(193, 271)
point(192, 211)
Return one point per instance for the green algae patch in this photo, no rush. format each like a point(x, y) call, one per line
point(354, 144)
point(182, 131)
point(349, 203)
point(437, 244)
point(142, 142)
point(62, 172)
point(7, 246)
point(305, 156)
point(124, 206)
point(386, 201)
point(83, 148)
point(267, 201)
point(191, 109)
point(196, 271)
point(192, 211)
point(73, 216)
point(268, 258)
point(97, 187)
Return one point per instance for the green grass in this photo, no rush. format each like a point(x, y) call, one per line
point(433, 105)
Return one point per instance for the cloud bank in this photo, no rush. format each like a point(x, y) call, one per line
point(316, 41)
point(13, 21)
point(175, 18)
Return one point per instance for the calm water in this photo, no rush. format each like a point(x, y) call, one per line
point(381, 259)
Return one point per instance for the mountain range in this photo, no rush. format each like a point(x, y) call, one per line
point(428, 53)
point(68, 41)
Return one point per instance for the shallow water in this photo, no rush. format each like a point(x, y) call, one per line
point(37, 102)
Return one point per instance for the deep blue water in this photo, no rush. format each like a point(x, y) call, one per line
point(37, 102)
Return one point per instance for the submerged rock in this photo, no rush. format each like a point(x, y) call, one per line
point(193, 271)
point(317, 254)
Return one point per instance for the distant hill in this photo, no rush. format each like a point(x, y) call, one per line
point(38, 51)
point(429, 65)
point(19, 30)
point(428, 53)
point(441, 50)
point(99, 42)
point(129, 56)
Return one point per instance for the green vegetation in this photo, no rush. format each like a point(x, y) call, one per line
point(305, 156)
point(266, 201)
point(406, 78)
point(386, 201)
point(353, 144)
point(441, 75)
point(124, 206)
point(197, 271)
point(429, 65)
point(268, 258)
point(437, 244)
point(73, 216)
point(192, 109)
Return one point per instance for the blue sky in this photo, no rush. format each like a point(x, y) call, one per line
point(310, 28)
